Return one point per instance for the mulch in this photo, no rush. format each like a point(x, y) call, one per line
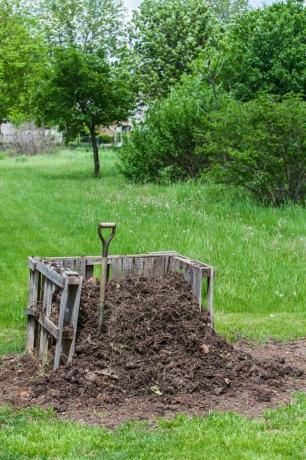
point(157, 355)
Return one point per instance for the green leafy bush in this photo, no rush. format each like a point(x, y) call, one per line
point(105, 139)
point(264, 50)
point(259, 145)
point(162, 148)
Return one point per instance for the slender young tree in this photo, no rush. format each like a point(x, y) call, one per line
point(86, 84)
point(82, 90)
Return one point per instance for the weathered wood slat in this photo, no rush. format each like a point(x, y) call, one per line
point(117, 270)
point(173, 264)
point(148, 266)
point(197, 284)
point(210, 297)
point(49, 326)
point(58, 347)
point(32, 323)
point(80, 266)
point(52, 275)
point(75, 303)
point(127, 266)
point(159, 266)
point(138, 266)
point(31, 263)
point(47, 303)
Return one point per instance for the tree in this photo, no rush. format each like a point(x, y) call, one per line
point(81, 90)
point(89, 24)
point(21, 58)
point(265, 51)
point(226, 11)
point(166, 36)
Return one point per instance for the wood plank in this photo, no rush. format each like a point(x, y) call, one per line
point(44, 335)
point(80, 266)
point(138, 266)
point(197, 284)
point(51, 274)
point(74, 319)
point(31, 312)
point(127, 266)
point(210, 297)
point(49, 326)
point(74, 279)
point(63, 305)
point(117, 268)
point(89, 271)
point(159, 266)
point(173, 264)
point(31, 263)
point(32, 323)
point(69, 263)
point(97, 260)
point(148, 266)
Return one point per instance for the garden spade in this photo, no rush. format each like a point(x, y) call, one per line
point(104, 272)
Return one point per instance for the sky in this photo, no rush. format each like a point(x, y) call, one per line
point(131, 4)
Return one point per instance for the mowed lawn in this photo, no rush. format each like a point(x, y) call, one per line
point(50, 205)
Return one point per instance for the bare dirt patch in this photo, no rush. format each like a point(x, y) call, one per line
point(157, 356)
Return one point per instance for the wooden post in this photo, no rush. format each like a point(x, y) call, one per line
point(33, 295)
point(47, 304)
point(210, 297)
point(58, 348)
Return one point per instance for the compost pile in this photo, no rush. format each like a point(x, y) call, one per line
point(157, 344)
point(155, 340)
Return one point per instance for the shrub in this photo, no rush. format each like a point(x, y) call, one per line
point(105, 139)
point(260, 145)
point(264, 50)
point(162, 148)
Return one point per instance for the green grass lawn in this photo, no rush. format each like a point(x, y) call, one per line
point(280, 434)
point(50, 205)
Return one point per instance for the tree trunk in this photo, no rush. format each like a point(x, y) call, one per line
point(95, 150)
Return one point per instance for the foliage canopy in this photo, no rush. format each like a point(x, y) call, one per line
point(81, 90)
point(166, 36)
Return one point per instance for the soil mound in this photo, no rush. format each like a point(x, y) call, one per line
point(155, 340)
point(156, 343)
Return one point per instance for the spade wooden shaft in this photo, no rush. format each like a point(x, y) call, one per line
point(102, 293)
point(104, 270)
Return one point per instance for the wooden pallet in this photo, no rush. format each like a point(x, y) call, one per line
point(47, 280)
point(66, 275)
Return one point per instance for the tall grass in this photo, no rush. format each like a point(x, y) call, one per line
point(50, 205)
